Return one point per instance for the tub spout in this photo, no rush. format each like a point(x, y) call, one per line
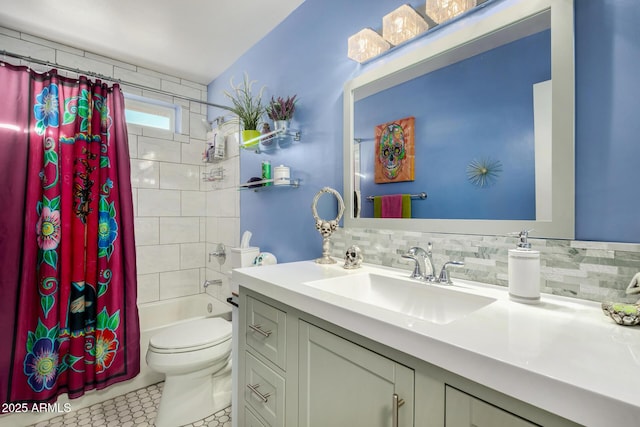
point(207, 283)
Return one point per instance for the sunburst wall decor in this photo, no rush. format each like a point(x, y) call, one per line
point(483, 172)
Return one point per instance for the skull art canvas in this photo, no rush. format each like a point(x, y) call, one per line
point(394, 151)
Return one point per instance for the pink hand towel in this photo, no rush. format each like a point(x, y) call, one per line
point(392, 206)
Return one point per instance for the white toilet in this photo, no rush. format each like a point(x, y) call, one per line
point(195, 357)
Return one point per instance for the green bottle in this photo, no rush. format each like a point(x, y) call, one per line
point(266, 172)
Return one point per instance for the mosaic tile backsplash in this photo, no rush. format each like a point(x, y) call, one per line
point(596, 271)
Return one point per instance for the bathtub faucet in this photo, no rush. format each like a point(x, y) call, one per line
point(211, 282)
point(220, 254)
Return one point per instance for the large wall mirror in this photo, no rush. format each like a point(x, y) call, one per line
point(480, 117)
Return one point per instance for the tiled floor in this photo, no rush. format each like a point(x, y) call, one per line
point(135, 409)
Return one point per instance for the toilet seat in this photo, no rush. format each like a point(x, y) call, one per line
point(191, 336)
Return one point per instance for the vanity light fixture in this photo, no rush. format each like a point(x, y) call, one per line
point(365, 44)
point(443, 10)
point(402, 24)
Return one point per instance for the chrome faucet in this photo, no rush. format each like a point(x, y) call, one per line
point(424, 263)
point(424, 268)
point(444, 273)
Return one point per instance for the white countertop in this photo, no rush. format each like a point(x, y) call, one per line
point(562, 355)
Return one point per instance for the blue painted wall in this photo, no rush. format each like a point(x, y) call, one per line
point(480, 108)
point(307, 55)
point(607, 120)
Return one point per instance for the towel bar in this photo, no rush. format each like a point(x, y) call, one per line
point(420, 196)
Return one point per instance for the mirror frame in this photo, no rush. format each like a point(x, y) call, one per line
point(464, 40)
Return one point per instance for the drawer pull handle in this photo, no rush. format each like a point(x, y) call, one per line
point(258, 329)
point(254, 390)
point(396, 404)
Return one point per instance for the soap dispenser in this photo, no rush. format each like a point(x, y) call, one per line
point(524, 271)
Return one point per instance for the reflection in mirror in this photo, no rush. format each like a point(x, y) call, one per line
point(493, 141)
point(477, 110)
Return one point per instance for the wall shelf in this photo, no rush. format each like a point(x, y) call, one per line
point(278, 139)
point(259, 185)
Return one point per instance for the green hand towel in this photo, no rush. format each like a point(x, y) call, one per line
point(377, 207)
point(406, 206)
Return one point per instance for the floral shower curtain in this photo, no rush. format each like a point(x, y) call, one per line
point(67, 251)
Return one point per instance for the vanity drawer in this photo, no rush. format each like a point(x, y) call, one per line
point(266, 331)
point(251, 420)
point(264, 391)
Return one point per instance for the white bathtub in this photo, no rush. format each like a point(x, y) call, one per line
point(159, 314)
point(154, 317)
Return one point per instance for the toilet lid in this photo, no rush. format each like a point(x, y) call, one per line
point(193, 334)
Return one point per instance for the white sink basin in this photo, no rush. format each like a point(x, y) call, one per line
point(425, 301)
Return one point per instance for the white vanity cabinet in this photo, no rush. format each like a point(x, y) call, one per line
point(464, 410)
point(293, 372)
point(344, 384)
point(297, 370)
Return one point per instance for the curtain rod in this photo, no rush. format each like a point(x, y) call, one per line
point(107, 78)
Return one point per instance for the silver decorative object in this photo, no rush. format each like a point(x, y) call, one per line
point(327, 227)
point(353, 258)
point(483, 172)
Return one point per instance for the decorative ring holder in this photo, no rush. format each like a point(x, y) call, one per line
point(324, 227)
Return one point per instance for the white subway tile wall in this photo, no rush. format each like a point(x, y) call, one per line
point(148, 287)
point(193, 203)
point(179, 230)
point(158, 203)
point(147, 230)
point(178, 283)
point(179, 218)
point(157, 258)
point(190, 255)
point(179, 176)
point(145, 173)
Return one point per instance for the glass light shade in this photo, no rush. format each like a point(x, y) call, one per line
point(442, 10)
point(402, 24)
point(366, 44)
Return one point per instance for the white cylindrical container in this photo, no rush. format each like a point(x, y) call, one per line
point(524, 275)
point(281, 175)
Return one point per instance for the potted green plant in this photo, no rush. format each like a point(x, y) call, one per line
point(281, 111)
point(247, 107)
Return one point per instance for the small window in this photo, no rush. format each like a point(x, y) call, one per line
point(152, 113)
